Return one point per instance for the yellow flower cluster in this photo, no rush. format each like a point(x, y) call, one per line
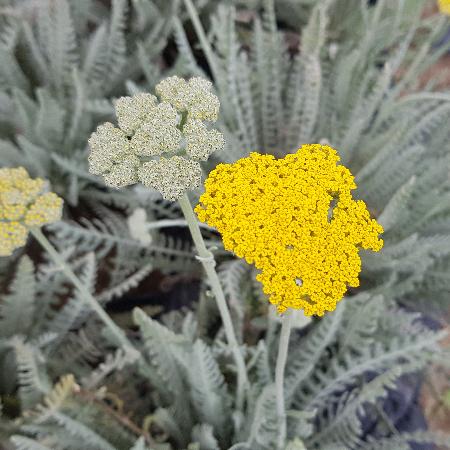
point(23, 204)
point(444, 6)
point(279, 215)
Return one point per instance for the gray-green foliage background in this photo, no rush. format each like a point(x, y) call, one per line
point(287, 72)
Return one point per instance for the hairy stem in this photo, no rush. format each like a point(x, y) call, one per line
point(208, 262)
point(283, 345)
point(87, 296)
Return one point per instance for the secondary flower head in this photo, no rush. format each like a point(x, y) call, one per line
point(444, 6)
point(158, 139)
point(24, 203)
point(296, 220)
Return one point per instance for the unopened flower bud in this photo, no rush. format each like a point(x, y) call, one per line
point(12, 235)
point(193, 96)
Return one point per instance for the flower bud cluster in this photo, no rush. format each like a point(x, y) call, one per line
point(24, 203)
point(159, 143)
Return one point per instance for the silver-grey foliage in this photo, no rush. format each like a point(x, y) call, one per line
point(352, 79)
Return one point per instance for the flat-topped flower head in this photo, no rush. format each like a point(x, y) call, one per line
point(444, 6)
point(156, 138)
point(295, 220)
point(171, 176)
point(193, 96)
point(24, 203)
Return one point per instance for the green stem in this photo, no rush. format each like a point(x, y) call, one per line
point(283, 345)
point(88, 297)
point(208, 262)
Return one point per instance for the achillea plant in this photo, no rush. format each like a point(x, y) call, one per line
point(276, 214)
point(24, 204)
point(133, 152)
point(235, 386)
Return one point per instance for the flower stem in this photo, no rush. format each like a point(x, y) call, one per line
point(283, 345)
point(208, 262)
point(88, 297)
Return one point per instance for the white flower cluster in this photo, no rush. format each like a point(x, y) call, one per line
point(149, 129)
point(200, 141)
point(171, 176)
point(159, 133)
point(193, 96)
point(112, 157)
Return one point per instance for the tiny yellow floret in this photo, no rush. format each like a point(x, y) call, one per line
point(23, 203)
point(295, 219)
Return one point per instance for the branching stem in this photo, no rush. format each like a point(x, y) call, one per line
point(209, 263)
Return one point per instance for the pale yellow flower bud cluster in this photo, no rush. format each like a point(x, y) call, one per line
point(112, 157)
point(24, 203)
point(149, 130)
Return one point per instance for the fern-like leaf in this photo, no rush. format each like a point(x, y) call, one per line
point(17, 307)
